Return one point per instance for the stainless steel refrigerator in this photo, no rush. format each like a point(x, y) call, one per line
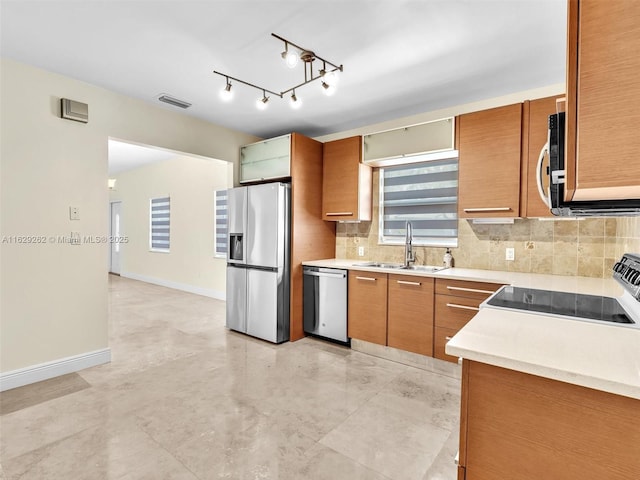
point(258, 260)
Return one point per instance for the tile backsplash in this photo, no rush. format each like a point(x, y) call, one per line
point(586, 247)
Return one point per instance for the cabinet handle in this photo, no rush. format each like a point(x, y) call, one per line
point(464, 307)
point(448, 338)
point(368, 279)
point(474, 290)
point(404, 282)
point(338, 214)
point(496, 209)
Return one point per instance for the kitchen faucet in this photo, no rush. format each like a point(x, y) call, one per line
point(409, 256)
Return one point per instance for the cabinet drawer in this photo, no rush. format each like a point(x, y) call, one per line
point(454, 312)
point(462, 288)
point(410, 314)
point(440, 338)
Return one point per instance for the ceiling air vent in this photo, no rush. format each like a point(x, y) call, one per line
point(173, 101)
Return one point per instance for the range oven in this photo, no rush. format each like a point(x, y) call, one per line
point(623, 310)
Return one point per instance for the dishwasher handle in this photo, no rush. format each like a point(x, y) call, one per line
point(313, 273)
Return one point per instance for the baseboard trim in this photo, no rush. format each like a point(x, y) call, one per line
point(45, 371)
point(205, 292)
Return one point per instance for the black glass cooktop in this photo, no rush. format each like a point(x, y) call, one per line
point(591, 307)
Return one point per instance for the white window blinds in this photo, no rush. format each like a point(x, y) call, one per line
point(160, 223)
point(426, 194)
point(220, 223)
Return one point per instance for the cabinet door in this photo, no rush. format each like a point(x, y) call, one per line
point(537, 117)
point(603, 100)
point(489, 163)
point(518, 426)
point(368, 306)
point(346, 182)
point(410, 314)
point(270, 159)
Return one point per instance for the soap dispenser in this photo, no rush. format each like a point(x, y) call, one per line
point(447, 259)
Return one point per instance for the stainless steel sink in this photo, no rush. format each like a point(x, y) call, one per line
point(379, 265)
point(424, 268)
point(399, 266)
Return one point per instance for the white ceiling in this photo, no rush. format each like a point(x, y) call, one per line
point(400, 57)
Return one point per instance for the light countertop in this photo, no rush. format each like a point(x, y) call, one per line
point(599, 356)
point(560, 283)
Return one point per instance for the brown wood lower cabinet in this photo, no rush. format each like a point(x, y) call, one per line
point(410, 313)
point(456, 302)
point(441, 336)
point(368, 306)
point(518, 426)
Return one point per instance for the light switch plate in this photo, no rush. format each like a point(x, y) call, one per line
point(510, 254)
point(74, 213)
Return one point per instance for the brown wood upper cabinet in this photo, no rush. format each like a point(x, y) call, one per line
point(535, 129)
point(410, 314)
point(489, 145)
point(603, 100)
point(346, 181)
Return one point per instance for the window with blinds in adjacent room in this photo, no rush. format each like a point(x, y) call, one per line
point(220, 223)
point(159, 238)
point(425, 194)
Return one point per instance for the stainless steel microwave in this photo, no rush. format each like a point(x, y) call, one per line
point(555, 173)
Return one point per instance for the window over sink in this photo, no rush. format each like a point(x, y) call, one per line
point(426, 194)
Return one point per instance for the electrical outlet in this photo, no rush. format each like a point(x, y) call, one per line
point(74, 213)
point(510, 254)
point(361, 251)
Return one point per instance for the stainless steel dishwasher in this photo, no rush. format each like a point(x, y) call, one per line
point(325, 303)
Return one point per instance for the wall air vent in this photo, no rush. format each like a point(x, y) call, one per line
point(173, 101)
point(72, 110)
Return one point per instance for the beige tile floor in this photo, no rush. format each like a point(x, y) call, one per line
point(184, 398)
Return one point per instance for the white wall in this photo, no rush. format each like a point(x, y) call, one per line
point(190, 182)
point(53, 300)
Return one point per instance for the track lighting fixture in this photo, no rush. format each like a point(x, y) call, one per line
point(226, 94)
point(290, 58)
point(261, 103)
point(291, 55)
point(295, 101)
point(327, 89)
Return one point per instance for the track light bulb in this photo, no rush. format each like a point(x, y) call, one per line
point(327, 89)
point(330, 78)
point(261, 103)
point(290, 58)
point(296, 103)
point(226, 94)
